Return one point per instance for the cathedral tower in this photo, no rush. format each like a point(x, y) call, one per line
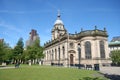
point(58, 29)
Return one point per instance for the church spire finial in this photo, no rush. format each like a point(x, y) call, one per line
point(58, 14)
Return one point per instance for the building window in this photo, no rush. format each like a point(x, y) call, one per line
point(88, 50)
point(102, 50)
point(63, 52)
point(59, 53)
point(52, 55)
point(55, 54)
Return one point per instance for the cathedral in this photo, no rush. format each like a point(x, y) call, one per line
point(87, 48)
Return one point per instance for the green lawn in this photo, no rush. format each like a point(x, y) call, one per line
point(45, 73)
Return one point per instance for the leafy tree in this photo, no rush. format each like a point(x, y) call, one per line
point(8, 55)
point(1, 51)
point(5, 52)
point(39, 49)
point(35, 51)
point(18, 50)
point(115, 56)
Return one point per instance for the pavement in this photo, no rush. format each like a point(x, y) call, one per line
point(110, 70)
point(112, 73)
point(6, 67)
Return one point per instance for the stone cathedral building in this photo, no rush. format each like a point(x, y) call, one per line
point(87, 48)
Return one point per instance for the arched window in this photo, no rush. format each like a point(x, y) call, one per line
point(59, 53)
point(102, 50)
point(55, 54)
point(63, 52)
point(88, 50)
point(52, 55)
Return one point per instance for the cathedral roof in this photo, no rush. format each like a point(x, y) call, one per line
point(85, 33)
point(78, 36)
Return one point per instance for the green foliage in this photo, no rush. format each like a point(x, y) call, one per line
point(5, 52)
point(1, 51)
point(8, 54)
point(34, 51)
point(18, 50)
point(115, 56)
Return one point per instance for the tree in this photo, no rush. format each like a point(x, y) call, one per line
point(5, 52)
point(35, 51)
point(1, 51)
point(18, 50)
point(8, 56)
point(115, 56)
point(39, 49)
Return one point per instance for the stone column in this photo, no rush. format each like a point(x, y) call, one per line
point(98, 48)
point(82, 50)
point(106, 49)
point(66, 54)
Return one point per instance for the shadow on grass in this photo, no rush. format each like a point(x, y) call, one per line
point(112, 76)
point(91, 78)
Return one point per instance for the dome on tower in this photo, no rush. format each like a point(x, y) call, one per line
point(58, 21)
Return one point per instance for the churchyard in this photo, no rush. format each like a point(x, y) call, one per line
point(36, 72)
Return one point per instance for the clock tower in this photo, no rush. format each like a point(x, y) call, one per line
point(58, 29)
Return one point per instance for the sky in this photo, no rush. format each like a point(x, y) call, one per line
point(18, 17)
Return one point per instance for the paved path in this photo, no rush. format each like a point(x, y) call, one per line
point(110, 70)
point(6, 67)
point(113, 73)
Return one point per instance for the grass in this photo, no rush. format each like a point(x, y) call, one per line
point(36, 72)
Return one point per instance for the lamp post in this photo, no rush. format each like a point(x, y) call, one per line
point(79, 55)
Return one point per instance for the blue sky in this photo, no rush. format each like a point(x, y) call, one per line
point(18, 17)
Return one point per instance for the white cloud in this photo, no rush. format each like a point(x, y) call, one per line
point(9, 27)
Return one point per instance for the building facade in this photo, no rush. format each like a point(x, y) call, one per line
point(32, 37)
point(87, 48)
point(115, 43)
point(1, 40)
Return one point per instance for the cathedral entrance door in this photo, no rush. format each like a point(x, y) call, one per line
point(71, 60)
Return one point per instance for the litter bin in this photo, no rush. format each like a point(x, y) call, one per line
point(96, 67)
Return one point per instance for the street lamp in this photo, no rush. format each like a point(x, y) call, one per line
point(79, 55)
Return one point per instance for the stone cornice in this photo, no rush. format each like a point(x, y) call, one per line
point(77, 36)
